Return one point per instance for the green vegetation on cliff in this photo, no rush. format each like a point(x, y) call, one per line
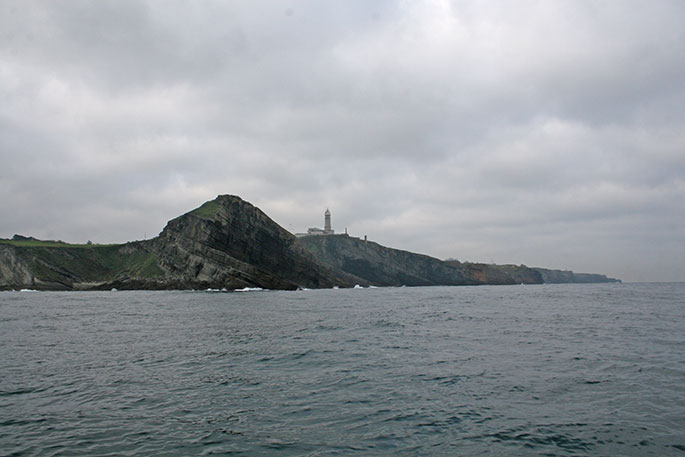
point(208, 210)
point(96, 264)
point(34, 243)
point(53, 265)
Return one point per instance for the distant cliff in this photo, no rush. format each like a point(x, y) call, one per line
point(508, 274)
point(383, 266)
point(521, 274)
point(565, 276)
point(228, 243)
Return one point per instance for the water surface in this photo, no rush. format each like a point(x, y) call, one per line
point(506, 370)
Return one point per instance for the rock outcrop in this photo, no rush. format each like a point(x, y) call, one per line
point(59, 266)
point(229, 243)
point(483, 273)
point(383, 266)
point(380, 265)
point(14, 271)
point(521, 274)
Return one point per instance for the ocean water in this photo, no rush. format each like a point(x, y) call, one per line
point(558, 370)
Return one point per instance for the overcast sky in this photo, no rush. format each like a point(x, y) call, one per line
point(548, 133)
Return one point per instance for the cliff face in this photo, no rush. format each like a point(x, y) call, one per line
point(13, 269)
point(58, 266)
point(229, 243)
point(483, 273)
point(382, 266)
point(521, 274)
point(565, 276)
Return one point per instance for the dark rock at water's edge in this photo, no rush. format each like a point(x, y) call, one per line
point(227, 243)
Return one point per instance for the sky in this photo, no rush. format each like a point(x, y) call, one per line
point(544, 133)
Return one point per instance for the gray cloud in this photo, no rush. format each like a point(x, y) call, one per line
point(545, 133)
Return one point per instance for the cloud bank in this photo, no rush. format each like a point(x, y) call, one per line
point(544, 133)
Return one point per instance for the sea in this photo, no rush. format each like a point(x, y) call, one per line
point(535, 370)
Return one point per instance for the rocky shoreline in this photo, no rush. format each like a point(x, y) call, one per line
point(227, 243)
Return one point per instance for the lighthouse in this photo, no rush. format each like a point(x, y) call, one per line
point(327, 223)
point(327, 229)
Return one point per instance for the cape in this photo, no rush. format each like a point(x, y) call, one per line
point(227, 243)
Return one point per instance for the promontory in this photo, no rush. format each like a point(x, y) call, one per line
point(227, 243)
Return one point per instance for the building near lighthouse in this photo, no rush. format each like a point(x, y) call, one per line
point(327, 228)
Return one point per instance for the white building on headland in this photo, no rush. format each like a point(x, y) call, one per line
point(327, 230)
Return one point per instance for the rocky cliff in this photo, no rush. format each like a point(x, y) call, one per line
point(14, 270)
point(228, 243)
point(565, 276)
point(521, 274)
point(225, 243)
point(383, 266)
point(483, 273)
point(59, 266)
point(379, 265)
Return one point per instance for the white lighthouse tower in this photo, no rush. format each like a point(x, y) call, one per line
point(327, 230)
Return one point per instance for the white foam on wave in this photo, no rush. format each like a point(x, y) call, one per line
point(248, 289)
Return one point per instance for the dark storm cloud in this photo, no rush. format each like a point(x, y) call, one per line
point(548, 133)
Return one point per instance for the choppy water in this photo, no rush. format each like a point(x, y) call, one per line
point(511, 370)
